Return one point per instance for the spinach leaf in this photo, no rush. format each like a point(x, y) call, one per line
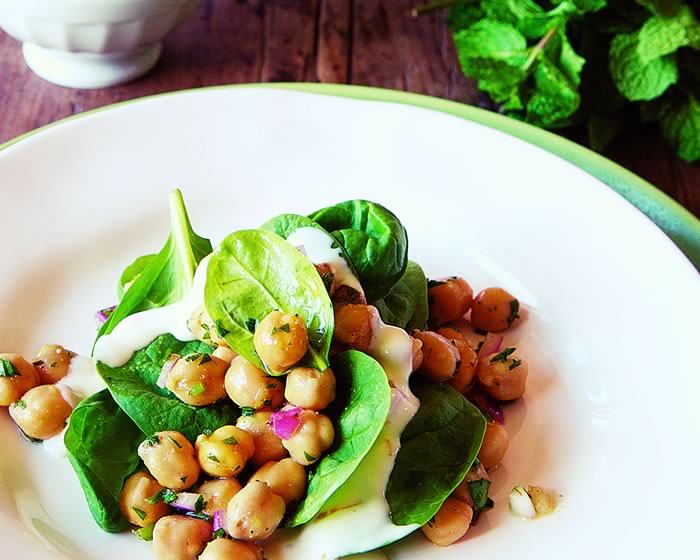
point(479, 490)
point(359, 414)
point(102, 442)
point(154, 409)
point(255, 272)
point(285, 225)
point(374, 239)
point(132, 271)
point(406, 305)
point(167, 277)
point(437, 449)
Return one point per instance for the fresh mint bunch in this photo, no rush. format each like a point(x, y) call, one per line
point(559, 63)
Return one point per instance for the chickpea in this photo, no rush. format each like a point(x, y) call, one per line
point(450, 523)
point(440, 356)
point(268, 447)
point(494, 446)
point(281, 340)
point(449, 299)
point(417, 353)
point(450, 333)
point(248, 385)
point(218, 493)
point(171, 459)
point(254, 513)
point(468, 359)
point(42, 412)
point(314, 435)
point(198, 379)
point(203, 328)
point(353, 326)
point(226, 549)
point(225, 452)
point(494, 310)
point(310, 388)
point(52, 363)
point(224, 353)
point(134, 498)
point(178, 537)
point(503, 375)
point(286, 478)
point(17, 376)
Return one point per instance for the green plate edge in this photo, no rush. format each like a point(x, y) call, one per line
point(676, 221)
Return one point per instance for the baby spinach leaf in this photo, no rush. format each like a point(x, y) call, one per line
point(102, 442)
point(255, 272)
point(359, 414)
point(437, 449)
point(406, 305)
point(285, 225)
point(132, 271)
point(374, 239)
point(168, 276)
point(154, 409)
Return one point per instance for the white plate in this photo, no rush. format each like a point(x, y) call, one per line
point(609, 420)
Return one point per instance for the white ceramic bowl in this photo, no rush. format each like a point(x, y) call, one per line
point(92, 43)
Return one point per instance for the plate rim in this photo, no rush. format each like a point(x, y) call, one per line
point(677, 222)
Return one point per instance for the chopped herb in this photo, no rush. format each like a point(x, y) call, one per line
point(435, 283)
point(514, 308)
point(431, 522)
point(139, 512)
point(515, 363)
point(192, 357)
point(19, 404)
point(247, 411)
point(250, 324)
point(183, 479)
point(8, 369)
point(205, 359)
point(267, 402)
point(145, 533)
point(271, 386)
point(197, 390)
point(169, 496)
point(175, 442)
point(202, 516)
point(206, 432)
point(219, 534)
point(153, 440)
point(38, 363)
point(285, 328)
point(503, 355)
point(200, 504)
point(207, 331)
point(53, 364)
point(482, 332)
point(157, 497)
point(220, 330)
point(459, 365)
point(309, 458)
point(230, 441)
point(213, 458)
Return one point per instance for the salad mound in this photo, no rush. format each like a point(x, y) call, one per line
point(301, 391)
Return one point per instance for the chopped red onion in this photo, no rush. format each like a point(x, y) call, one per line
point(166, 369)
point(491, 344)
point(219, 520)
point(285, 422)
point(103, 314)
point(487, 404)
point(186, 501)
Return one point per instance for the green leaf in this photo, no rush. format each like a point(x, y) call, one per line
point(570, 63)
point(662, 7)
point(636, 79)
point(8, 369)
point(406, 305)
point(479, 490)
point(361, 409)
point(167, 277)
point(464, 15)
point(490, 39)
point(373, 238)
point(680, 124)
point(660, 35)
point(153, 409)
point(255, 272)
point(102, 443)
point(132, 271)
point(603, 127)
point(438, 448)
point(586, 6)
point(555, 98)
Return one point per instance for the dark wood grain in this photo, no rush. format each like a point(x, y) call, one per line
point(368, 42)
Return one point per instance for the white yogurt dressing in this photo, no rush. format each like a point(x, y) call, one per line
point(356, 518)
point(318, 247)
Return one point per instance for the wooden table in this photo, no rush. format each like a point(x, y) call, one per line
point(369, 42)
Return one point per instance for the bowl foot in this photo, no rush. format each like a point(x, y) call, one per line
point(90, 70)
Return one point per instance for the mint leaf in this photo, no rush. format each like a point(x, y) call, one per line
point(637, 79)
point(680, 124)
point(465, 15)
point(585, 6)
point(661, 7)
point(570, 63)
point(491, 39)
point(660, 36)
point(555, 98)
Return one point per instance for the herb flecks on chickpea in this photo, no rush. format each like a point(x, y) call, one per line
point(203, 328)
point(503, 375)
point(450, 523)
point(449, 300)
point(42, 412)
point(268, 446)
point(225, 451)
point(314, 435)
point(353, 326)
point(226, 549)
point(286, 478)
point(254, 513)
point(281, 340)
point(494, 310)
point(440, 357)
point(218, 493)
point(464, 377)
point(17, 376)
point(52, 363)
point(178, 537)
point(198, 379)
point(140, 500)
point(249, 386)
point(171, 459)
point(310, 388)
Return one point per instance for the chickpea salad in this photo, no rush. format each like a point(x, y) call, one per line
point(300, 392)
